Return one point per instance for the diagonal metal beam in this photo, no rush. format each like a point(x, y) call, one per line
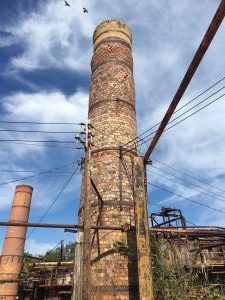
point(207, 39)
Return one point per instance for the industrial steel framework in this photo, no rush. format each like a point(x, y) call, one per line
point(168, 217)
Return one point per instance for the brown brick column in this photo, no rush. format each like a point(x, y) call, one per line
point(112, 113)
point(12, 252)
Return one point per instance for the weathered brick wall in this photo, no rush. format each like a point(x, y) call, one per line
point(112, 113)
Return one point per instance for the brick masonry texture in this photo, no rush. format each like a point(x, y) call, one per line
point(112, 113)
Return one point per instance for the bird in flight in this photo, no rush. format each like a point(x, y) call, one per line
point(66, 3)
point(85, 10)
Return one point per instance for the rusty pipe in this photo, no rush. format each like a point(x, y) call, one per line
point(46, 225)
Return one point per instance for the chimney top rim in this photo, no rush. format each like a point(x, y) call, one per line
point(112, 24)
point(24, 186)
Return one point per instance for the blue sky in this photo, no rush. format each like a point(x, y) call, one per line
point(45, 53)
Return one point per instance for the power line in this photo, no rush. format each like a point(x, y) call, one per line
point(58, 195)
point(55, 247)
point(46, 146)
point(38, 131)
point(150, 134)
point(211, 102)
point(39, 258)
point(37, 141)
point(40, 173)
point(199, 95)
point(39, 123)
point(30, 171)
point(196, 97)
point(190, 222)
point(188, 199)
point(208, 195)
point(188, 182)
point(188, 175)
point(55, 174)
point(53, 202)
point(187, 116)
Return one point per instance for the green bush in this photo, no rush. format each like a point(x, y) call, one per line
point(176, 283)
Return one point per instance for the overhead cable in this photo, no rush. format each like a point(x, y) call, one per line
point(37, 141)
point(190, 101)
point(39, 123)
point(38, 174)
point(188, 175)
point(186, 198)
point(204, 193)
point(58, 195)
point(54, 201)
point(38, 131)
point(218, 98)
point(45, 146)
point(188, 182)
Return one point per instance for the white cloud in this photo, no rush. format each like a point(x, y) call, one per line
point(36, 247)
point(46, 106)
point(41, 107)
point(165, 37)
point(6, 41)
point(53, 37)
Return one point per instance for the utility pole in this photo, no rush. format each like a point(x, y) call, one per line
point(61, 250)
point(142, 232)
point(87, 216)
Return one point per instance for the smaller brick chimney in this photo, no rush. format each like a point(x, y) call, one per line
point(13, 248)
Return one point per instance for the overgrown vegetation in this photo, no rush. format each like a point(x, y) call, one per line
point(54, 255)
point(123, 249)
point(173, 282)
point(51, 255)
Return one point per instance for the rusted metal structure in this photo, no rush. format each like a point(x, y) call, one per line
point(206, 41)
point(200, 248)
point(48, 280)
point(66, 226)
point(12, 252)
point(168, 217)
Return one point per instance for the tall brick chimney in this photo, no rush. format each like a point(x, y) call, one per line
point(13, 248)
point(112, 113)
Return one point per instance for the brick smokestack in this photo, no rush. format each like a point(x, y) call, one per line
point(112, 113)
point(13, 248)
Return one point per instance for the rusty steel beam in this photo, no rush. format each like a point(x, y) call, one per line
point(207, 39)
point(46, 225)
point(203, 227)
point(100, 203)
point(168, 222)
point(186, 230)
point(211, 246)
point(189, 231)
point(121, 228)
point(9, 281)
